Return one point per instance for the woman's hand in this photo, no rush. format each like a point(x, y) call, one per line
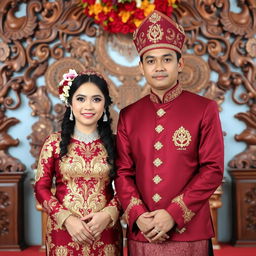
point(78, 230)
point(97, 222)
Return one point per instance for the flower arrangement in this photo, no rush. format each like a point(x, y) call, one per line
point(65, 84)
point(124, 16)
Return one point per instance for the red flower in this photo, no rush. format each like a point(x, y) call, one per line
point(139, 14)
point(130, 6)
point(161, 6)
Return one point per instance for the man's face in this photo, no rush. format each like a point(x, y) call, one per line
point(160, 68)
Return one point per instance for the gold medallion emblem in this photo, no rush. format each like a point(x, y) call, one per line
point(181, 138)
point(155, 33)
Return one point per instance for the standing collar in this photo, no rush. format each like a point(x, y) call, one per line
point(169, 96)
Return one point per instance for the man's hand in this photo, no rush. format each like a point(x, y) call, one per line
point(145, 223)
point(78, 230)
point(162, 222)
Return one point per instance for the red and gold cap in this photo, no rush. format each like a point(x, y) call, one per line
point(158, 31)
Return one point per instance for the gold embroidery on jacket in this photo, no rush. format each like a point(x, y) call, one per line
point(46, 153)
point(113, 212)
point(86, 180)
point(110, 250)
point(187, 214)
point(61, 251)
point(133, 202)
point(156, 197)
point(181, 138)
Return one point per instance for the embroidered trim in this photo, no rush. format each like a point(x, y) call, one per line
point(156, 197)
point(113, 212)
point(172, 94)
point(187, 214)
point(157, 179)
point(86, 138)
point(133, 202)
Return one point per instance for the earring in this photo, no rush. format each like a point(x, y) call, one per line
point(105, 117)
point(71, 117)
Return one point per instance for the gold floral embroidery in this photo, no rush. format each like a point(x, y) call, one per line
point(61, 216)
point(159, 128)
point(157, 197)
point(160, 112)
point(157, 162)
point(157, 179)
point(187, 214)
point(181, 138)
point(158, 145)
point(50, 204)
point(61, 251)
point(172, 94)
point(133, 202)
point(113, 212)
point(110, 250)
point(46, 153)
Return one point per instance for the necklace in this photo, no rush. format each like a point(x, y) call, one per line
point(86, 138)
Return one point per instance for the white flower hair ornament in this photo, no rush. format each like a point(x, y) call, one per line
point(65, 84)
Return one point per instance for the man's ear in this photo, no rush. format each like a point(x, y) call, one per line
point(180, 64)
point(141, 68)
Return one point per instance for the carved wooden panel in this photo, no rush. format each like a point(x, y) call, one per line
point(218, 40)
point(244, 207)
point(11, 211)
point(49, 39)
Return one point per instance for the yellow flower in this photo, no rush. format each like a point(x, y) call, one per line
point(137, 22)
point(124, 16)
point(148, 8)
point(171, 2)
point(95, 9)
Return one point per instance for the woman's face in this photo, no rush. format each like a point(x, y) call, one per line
point(88, 106)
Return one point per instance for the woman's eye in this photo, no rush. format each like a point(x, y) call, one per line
point(97, 99)
point(81, 99)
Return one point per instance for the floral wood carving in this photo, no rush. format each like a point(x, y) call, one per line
point(250, 199)
point(50, 38)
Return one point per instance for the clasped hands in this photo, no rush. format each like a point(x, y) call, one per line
point(155, 225)
point(88, 228)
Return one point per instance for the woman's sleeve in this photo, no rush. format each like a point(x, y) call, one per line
point(43, 181)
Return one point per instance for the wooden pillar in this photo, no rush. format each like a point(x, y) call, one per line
point(11, 211)
point(244, 207)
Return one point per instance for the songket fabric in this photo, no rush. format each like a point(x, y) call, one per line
point(82, 186)
point(175, 248)
point(170, 156)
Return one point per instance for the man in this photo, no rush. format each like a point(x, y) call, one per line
point(170, 152)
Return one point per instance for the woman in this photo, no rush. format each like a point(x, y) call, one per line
point(83, 213)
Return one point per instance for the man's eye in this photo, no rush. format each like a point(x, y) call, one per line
point(167, 60)
point(150, 61)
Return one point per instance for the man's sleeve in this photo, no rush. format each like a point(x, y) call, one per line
point(125, 182)
point(210, 171)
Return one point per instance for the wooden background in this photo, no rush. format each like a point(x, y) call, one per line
point(218, 41)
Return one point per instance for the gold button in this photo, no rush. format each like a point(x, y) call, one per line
point(159, 128)
point(158, 145)
point(157, 162)
point(160, 112)
point(156, 197)
point(157, 179)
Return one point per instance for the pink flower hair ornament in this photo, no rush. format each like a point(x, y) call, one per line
point(65, 84)
point(67, 80)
